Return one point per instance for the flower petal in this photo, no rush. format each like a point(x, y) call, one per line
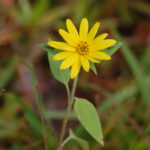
point(68, 62)
point(93, 31)
point(85, 63)
point(103, 44)
point(100, 38)
point(75, 68)
point(83, 31)
point(61, 55)
point(101, 55)
point(72, 29)
point(66, 36)
point(61, 46)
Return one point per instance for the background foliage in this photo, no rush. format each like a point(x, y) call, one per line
point(120, 92)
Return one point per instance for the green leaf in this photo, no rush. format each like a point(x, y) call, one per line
point(92, 66)
point(89, 118)
point(112, 50)
point(46, 47)
point(81, 142)
point(61, 75)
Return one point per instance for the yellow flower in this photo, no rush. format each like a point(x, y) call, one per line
point(82, 47)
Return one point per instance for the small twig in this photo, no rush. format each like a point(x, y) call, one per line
point(42, 120)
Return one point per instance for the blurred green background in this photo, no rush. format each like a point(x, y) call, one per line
point(120, 92)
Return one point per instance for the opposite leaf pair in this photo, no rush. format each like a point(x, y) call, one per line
point(80, 50)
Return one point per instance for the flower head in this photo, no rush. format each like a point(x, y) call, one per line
point(81, 48)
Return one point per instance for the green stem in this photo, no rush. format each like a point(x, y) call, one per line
point(68, 91)
point(70, 102)
point(42, 120)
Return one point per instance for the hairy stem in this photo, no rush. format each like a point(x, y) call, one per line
point(70, 102)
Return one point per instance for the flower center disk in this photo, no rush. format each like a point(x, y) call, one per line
point(82, 48)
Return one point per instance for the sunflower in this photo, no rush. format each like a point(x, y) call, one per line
point(81, 48)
